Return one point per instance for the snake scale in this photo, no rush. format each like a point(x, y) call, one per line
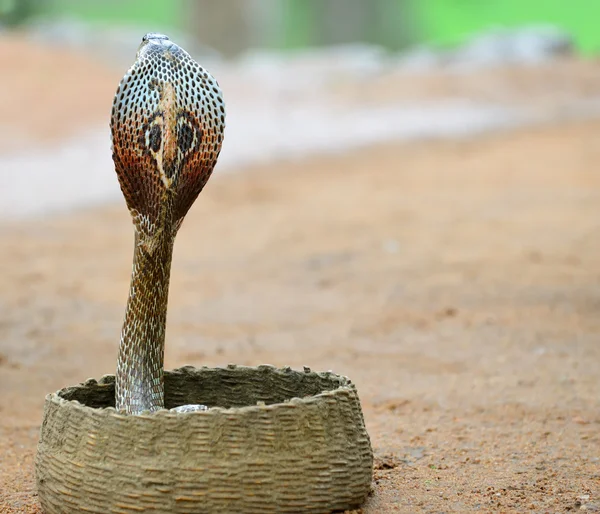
point(167, 127)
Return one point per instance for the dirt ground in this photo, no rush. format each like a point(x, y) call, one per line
point(456, 283)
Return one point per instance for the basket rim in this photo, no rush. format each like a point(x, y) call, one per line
point(345, 386)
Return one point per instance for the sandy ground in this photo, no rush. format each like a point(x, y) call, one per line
point(550, 86)
point(47, 94)
point(456, 283)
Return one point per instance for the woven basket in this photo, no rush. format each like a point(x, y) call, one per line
point(273, 440)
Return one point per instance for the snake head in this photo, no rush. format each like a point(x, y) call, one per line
point(167, 128)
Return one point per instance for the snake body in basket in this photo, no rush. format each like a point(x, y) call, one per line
point(167, 126)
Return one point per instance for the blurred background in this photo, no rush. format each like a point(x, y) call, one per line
point(300, 76)
point(235, 26)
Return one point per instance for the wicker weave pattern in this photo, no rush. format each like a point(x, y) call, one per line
point(305, 449)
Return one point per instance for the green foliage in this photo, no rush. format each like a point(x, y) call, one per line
point(15, 12)
point(394, 24)
point(155, 14)
point(450, 22)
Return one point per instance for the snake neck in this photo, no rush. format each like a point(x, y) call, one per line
point(139, 378)
point(167, 127)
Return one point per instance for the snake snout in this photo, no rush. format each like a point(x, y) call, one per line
point(154, 36)
point(153, 39)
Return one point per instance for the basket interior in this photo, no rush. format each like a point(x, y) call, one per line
point(234, 386)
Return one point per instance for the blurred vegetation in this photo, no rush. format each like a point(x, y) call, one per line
point(15, 12)
point(449, 22)
point(389, 23)
point(234, 25)
point(293, 24)
point(154, 13)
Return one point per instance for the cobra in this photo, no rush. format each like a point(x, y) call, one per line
point(167, 127)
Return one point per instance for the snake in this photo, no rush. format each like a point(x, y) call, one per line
point(167, 126)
